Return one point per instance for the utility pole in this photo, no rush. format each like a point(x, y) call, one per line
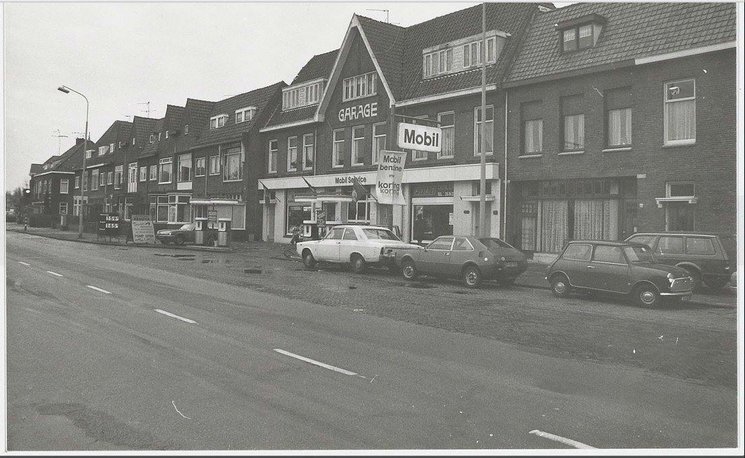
point(482, 183)
point(59, 141)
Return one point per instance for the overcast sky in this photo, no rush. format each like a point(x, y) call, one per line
point(122, 55)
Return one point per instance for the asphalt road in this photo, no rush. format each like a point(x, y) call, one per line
point(113, 348)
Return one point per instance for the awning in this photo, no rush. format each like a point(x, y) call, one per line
point(215, 202)
point(325, 198)
point(488, 198)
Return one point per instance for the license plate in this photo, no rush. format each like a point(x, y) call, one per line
point(510, 264)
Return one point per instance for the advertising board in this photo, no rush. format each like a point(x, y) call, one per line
point(390, 174)
point(143, 230)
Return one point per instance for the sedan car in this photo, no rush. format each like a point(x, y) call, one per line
point(178, 236)
point(355, 244)
point(469, 258)
point(617, 267)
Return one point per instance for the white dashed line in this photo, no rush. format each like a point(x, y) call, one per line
point(98, 289)
point(563, 440)
point(317, 363)
point(54, 273)
point(175, 316)
point(24, 263)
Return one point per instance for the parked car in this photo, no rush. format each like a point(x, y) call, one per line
point(469, 258)
point(178, 236)
point(10, 215)
point(617, 267)
point(358, 245)
point(704, 255)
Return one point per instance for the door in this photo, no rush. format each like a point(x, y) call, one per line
point(349, 244)
point(132, 181)
point(574, 263)
point(608, 270)
point(435, 259)
point(669, 249)
point(328, 248)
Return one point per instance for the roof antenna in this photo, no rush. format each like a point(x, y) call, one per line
point(387, 14)
point(147, 109)
point(59, 141)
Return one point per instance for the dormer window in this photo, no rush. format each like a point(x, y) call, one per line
point(244, 114)
point(103, 150)
point(111, 147)
point(186, 129)
point(152, 138)
point(438, 62)
point(218, 121)
point(134, 140)
point(360, 86)
point(166, 134)
point(304, 94)
point(580, 33)
point(159, 133)
point(462, 54)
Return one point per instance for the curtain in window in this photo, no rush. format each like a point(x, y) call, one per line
point(574, 132)
point(681, 120)
point(619, 127)
point(596, 219)
point(448, 141)
point(553, 225)
point(528, 223)
point(533, 136)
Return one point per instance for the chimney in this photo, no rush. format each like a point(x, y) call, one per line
point(79, 141)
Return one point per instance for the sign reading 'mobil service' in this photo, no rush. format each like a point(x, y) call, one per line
point(390, 175)
point(418, 137)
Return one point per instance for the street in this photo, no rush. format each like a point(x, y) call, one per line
point(126, 348)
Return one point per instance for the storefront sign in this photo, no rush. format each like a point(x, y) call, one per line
point(143, 230)
point(108, 224)
point(320, 218)
point(212, 214)
point(390, 175)
point(349, 179)
point(369, 110)
point(418, 137)
point(432, 190)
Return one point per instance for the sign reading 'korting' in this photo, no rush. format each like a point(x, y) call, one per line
point(390, 176)
point(418, 137)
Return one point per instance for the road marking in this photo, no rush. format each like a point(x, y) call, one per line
point(563, 440)
point(54, 273)
point(24, 263)
point(317, 363)
point(175, 316)
point(98, 289)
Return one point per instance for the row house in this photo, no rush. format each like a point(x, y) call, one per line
point(621, 118)
point(100, 168)
point(342, 109)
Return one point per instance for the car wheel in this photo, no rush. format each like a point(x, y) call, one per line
point(179, 240)
point(696, 275)
point(308, 260)
point(471, 276)
point(560, 285)
point(647, 296)
point(408, 270)
point(358, 264)
point(716, 283)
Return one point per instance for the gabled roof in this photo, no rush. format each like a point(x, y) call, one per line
point(75, 159)
point(35, 168)
point(258, 98)
point(196, 116)
point(151, 149)
point(119, 131)
point(631, 31)
point(387, 44)
point(173, 118)
point(319, 66)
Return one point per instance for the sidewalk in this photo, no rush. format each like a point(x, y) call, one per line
point(534, 277)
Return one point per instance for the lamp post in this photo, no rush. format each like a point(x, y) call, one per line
point(67, 90)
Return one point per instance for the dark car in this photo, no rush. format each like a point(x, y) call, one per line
point(178, 236)
point(704, 255)
point(617, 267)
point(469, 258)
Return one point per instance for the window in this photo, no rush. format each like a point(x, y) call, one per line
point(132, 177)
point(273, 152)
point(215, 165)
point(438, 62)
point(478, 125)
point(88, 153)
point(349, 234)
point(94, 179)
point(166, 134)
point(86, 180)
point(357, 87)
point(447, 124)
point(533, 136)
point(134, 141)
point(76, 204)
point(165, 170)
point(77, 182)
point(118, 172)
point(199, 168)
point(473, 54)
point(308, 150)
point(184, 167)
point(378, 143)
point(300, 96)
point(186, 129)
point(699, 245)
point(218, 121)
point(63, 208)
point(578, 252)
point(102, 179)
point(159, 208)
point(152, 138)
point(680, 112)
point(681, 189)
point(143, 173)
point(338, 152)
point(618, 117)
point(612, 254)
point(358, 212)
point(462, 244)
point(64, 186)
point(296, 214)
point(103, 150)
point(153, 172)
point(111, 147)
point(178, 209)
point(244, 114)
point(573, 122)
point(442, 243)
point(670, 245)
point(232, 170)
point(159, 135)
point(291, 154)
point(110, 178)
point(578, 38)
point(358, 145)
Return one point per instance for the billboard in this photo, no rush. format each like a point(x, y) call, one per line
point(390, 174)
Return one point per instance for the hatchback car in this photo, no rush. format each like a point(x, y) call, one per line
point(617, 267)
point(469, 258)
point(704, 255)
point(178, 236)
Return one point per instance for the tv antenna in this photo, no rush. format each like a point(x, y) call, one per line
point(147, 108)
point(59, 141)
point(387, 14)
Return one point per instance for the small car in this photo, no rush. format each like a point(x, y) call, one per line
point(617, 267)
point(704, 255)
point(178, 236)
point(358, 245)
point(469, 258)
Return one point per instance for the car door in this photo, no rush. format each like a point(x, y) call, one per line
point(669, 250)
point(327, 249)
point(608, 270)
point(461, 253)
point(349, 244)
point(435, 259)
point(574, 263)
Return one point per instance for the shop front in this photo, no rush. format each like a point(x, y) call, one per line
point(216, 209)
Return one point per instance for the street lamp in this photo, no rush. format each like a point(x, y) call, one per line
point(67, 90)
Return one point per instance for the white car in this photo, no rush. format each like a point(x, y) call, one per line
point(355, 244)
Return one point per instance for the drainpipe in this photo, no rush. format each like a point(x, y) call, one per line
point(504, 196)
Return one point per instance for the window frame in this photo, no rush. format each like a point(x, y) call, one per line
point(667, 103)
point(66, 186)
point(539, 122)
point(185, 159)
point(219, 121)
point(309, 147)
point(161, 163)
point(61, 204)
point(360, 86)
point(273, 156)
point(577, 38)
point(242, 112)
point(441, 154)
point(375, 154)
point(358, 143)
point(214, 160)
point(476, 143)
point(118, 175)
point(225, 169)
point(197, 167)
point(290, 152)
point(337, 149)
point(153, 172)
point(143, 173)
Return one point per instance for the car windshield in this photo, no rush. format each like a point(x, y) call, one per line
point(187, 227)
point(639, 253)
point(493, 244)
point(379, 234)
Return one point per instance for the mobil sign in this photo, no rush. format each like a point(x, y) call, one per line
point(418, 137)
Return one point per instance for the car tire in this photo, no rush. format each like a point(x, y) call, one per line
point(696, 275)
point(408, 270)
point(716, 283)
point(308, 260)
point(471, 276)
point(358, 264)
point(560, 285)
point(647, 296)
point(179, 240)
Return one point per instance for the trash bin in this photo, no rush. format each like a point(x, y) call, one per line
point(200, 226)
point(223, 232)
